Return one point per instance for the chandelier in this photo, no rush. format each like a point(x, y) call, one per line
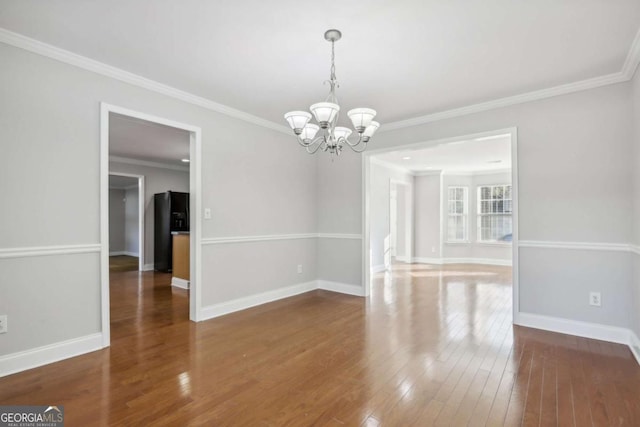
point(332, 138)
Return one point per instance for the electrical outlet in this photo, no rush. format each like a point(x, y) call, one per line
point(4, 328)
point(299, 268)
point(433, 249)
point(595, 299)
point(207, 213)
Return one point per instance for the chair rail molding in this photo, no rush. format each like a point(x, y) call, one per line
point(48, 250)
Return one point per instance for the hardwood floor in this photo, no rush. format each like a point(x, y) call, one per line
point(431, 346)
point(123, 263)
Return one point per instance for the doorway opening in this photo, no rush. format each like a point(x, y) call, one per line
point(163, 156)
point(440, 210)
point(126, 222)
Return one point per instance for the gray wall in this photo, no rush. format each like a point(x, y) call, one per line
point(156, 180)
point(131, 223)
point(381, 177)
point(116, 220)
point(256, 182)
point(575, 178)
point(427, 216)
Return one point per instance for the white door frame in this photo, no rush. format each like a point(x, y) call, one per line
point(366, 200)
point(140, 179)
point(195, 207)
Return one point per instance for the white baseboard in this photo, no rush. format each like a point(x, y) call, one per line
point(574, 327)
point(342, 288)
point(179, 283)
point(634, 345)
point(28, 359)
point(119, 253)
point(403, 259)
point(423, 260)
point(484, 261)
point(378, 268)
point(147, 267)
point(221, 309)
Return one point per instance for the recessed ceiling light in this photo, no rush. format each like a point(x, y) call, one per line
point(406, 158)
point(185, 160)
point(494, 161)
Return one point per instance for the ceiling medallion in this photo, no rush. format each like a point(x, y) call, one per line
point(332, 138)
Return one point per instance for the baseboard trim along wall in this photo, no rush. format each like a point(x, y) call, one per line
point(594, 331)
point(342, 288)
point(634, 345)
point(120, 253)
point(442, 261)
point(243, 303)
point(147, 267)
point(29, 359)
point(179, 283)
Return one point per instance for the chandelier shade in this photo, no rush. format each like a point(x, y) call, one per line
point(361, 118)
point(309, 132)
point(342, 132)
point(325, 112)
point(371, 129)
point(332, 137)
point(297, 120)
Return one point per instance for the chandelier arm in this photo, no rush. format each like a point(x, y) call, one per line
point(315, 150)
point(310, 143)
point(355, 143)
point(355, 149)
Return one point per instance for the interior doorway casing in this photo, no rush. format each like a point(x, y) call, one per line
point(195, 207)
point(141, 190)
point(366, 200)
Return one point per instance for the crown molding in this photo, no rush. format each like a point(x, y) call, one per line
point(17, 40)
point(62, 55)
point(147, 163)
point(633, 58)
point(508, 101)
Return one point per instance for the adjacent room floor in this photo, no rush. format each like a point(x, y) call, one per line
point(432, 345)
point(123, 263)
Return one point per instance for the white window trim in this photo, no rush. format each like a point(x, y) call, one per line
point(465, 215)
point(479, 215)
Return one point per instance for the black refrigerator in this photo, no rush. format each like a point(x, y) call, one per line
point(171, 213)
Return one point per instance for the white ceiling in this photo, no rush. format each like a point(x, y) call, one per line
point(143, 140)
point(404, 58)
point(465, 156)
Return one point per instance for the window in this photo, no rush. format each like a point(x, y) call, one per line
point(494, 213)
point(457, 220)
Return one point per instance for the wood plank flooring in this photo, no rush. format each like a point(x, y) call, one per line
point(433, 345)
